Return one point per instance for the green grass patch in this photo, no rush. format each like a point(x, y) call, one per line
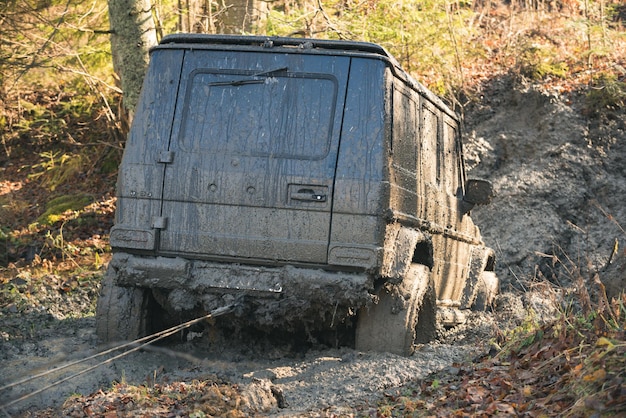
point(60, 205)
point(605, 92)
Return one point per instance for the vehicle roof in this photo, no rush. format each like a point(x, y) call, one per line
point(302, 45)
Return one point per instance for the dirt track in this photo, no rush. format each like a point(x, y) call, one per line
point(311, 381)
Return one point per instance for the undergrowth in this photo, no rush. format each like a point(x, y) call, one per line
point(59, 158)
point(573, 365)
point(606, 91)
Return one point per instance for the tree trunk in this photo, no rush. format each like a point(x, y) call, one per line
point(200, 17)
point(222, 16)
point(133, 32)
point(242, 16)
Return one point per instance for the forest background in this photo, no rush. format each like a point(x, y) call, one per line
point(68, 84)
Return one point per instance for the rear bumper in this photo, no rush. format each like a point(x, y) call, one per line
point(284, 291)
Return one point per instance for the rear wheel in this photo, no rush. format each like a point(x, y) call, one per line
point(121, 312)
point(404, 314)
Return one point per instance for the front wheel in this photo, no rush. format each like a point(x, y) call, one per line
point(405, 314)
point(488, 286)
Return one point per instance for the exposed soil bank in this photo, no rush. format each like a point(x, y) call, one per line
point(560, 180)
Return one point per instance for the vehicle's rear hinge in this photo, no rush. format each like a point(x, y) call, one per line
point(166, 157)
point(159, 222)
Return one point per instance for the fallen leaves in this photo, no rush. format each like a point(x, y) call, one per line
point(197, 398)
point(556, 370)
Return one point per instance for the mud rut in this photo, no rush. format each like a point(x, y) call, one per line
point(310, 379)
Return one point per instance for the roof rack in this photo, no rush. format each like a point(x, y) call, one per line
point(274, 41)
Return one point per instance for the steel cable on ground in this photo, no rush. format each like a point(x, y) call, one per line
point(143, 342)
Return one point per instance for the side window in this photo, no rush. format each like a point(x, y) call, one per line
point(431, 145)
point(451, 157)
point(405, 130)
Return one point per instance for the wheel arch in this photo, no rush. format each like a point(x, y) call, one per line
point(403, 247)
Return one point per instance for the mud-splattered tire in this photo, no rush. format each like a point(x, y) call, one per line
point(404, 315)
point(121, 312)
point(488, 286)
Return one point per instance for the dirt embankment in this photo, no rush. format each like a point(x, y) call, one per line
point(560, 180)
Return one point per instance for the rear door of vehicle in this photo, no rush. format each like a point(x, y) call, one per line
point(251, 160)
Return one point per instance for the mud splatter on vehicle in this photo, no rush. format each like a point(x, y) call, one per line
point(314, 178)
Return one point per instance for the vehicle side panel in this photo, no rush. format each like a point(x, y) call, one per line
point(427, 186)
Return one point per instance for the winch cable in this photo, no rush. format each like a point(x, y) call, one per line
point(137, 345)
point(156, 336)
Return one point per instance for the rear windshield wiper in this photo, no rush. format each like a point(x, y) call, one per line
point(252, 80)
point(268, 72)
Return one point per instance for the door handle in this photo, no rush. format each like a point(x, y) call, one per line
point(308, 195)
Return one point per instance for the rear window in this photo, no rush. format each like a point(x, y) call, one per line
point(286, 115)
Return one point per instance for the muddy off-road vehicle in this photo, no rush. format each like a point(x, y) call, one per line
point(314, 178)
